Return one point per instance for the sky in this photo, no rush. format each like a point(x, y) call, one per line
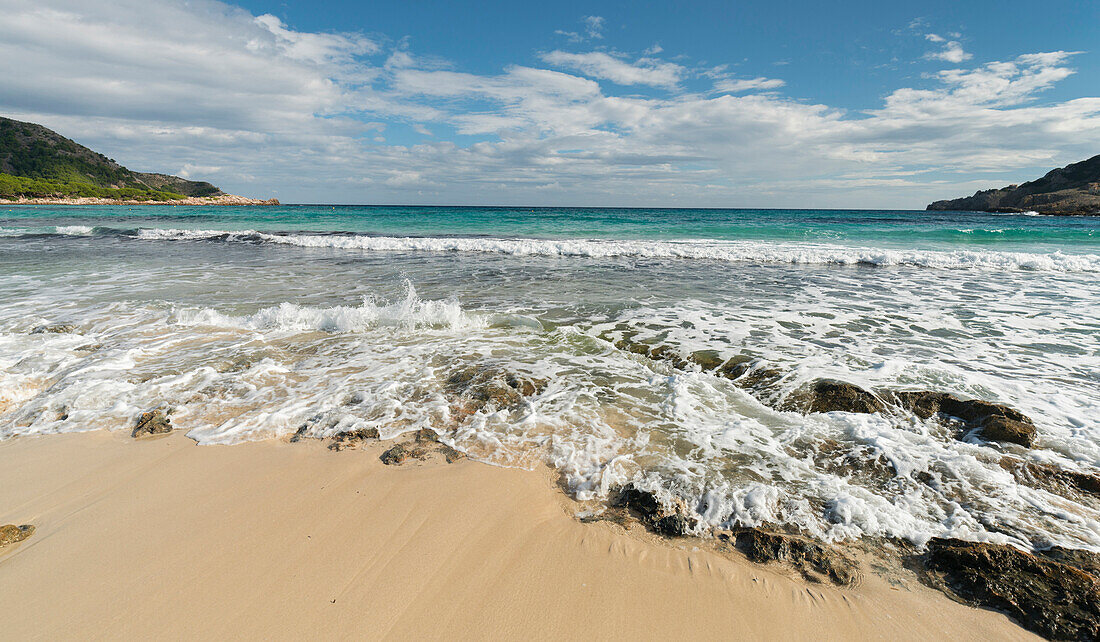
point(641, 104)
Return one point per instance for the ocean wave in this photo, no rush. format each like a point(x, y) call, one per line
point(410, 312)
point(75, 230)
point(714, 250)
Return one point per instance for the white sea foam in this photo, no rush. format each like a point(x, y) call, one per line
point(712, 250)
point(74, 230)
point(411, 312)
point(286, 347)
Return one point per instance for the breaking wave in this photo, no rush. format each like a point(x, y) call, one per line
point(712, 250)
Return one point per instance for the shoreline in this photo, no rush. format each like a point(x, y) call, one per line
point(224, 199)
point(162, 537)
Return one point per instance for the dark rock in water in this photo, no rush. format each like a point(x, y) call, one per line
point(403, 452)
point(352, 438)
point(154, 422)
point(56, 328)
point(806, 555)
point(1048, 597)
point(425, 435)
point(1051, 477)
point(706, 359)
point(10, 533)
point(486, 387)
point(827, 395)
point(672, 522)
point(995, 422)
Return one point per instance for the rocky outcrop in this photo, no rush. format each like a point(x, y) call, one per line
point(1073, 189)
point(672, 521)
point(1049, 597)
point(991, 421)
point(153, 422)
point(987, 420)
point(1051, 477)
point(54, 328)
point(10, 533)
point(486, 387)
point(828, 395)
point(423, 445)
point(813, 559)
point(353, 439)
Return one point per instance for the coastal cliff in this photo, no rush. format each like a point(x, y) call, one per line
point(40, 166)
point(1073, 189)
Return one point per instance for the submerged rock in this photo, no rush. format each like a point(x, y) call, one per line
point(829, 395)
point(353, 438)
point(673, 521)
point(54, 328)
point(993, 421)
point(10, 533)
point(485, 387)
point(812, 559)
point(1051, 598)
point(153, 422)
point(1051, 477)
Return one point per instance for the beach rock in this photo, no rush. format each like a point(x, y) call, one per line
point(423, 444)
point(353, 438)
point(450, 454)
point(993, 421)
point(56, 328)
point(487, 387)
point(706, 359)
point(812, 559)
point(1053, 599)
point(828, 395)
point(674, 521)
point(1086, 561)
point(1051, 477)
point(403, 452)
point(153, 422)
point(10, 533)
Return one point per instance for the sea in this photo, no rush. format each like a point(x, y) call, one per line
point(253, 323)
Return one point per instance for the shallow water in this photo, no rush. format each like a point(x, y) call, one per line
point(254, 323)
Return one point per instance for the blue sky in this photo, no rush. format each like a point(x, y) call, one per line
point(764, 104)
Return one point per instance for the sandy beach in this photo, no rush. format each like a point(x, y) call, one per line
point(161, 537)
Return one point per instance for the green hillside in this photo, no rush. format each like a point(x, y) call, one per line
point(38, 162)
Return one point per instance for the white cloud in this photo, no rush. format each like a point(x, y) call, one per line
point(266, 110)
point(737, 85)
point(593, 26)
point(951, 52)
point(644, 71)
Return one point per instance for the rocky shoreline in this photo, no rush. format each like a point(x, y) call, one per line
point(1073, 190)
point(223, 199)
point(1054, 592)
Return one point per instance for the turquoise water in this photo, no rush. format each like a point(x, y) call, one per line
point(262, 322)
point(893, 229)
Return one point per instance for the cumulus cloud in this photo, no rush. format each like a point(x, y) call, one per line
point(951, 51)
point(597, 64)
point(257, 107)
